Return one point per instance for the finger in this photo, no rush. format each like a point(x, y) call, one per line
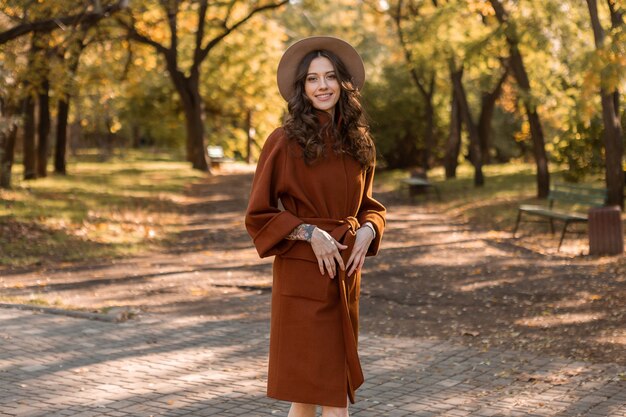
point(333, 266)
point(350, 260)
point(361, 263)
point(354, 259)
point(340, 245)
point(328, 268)
point(358, 261)
point(339, 261)
point(320, 263)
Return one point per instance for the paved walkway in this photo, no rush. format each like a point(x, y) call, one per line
point(60, 366)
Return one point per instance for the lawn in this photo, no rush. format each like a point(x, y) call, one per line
point(490, 207)
point(101, 210)
point(131, 205)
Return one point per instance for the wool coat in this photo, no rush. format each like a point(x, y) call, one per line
point(313, 355)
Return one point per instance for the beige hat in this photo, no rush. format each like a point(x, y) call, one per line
point(288, 64)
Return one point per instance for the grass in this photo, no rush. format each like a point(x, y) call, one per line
point(490, 207)
point(120, 207)
point(129, 205)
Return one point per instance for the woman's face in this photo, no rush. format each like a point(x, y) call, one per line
point(321, 85)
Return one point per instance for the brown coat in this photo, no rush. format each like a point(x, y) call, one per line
point(314, 320)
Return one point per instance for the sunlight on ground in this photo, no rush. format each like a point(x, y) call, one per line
point(474, 286)
point(618, 337)
point(560, 319)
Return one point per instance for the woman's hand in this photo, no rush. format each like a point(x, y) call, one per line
point(364, 236)
point(326, 250)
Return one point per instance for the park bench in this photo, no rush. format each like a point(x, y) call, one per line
point(418, 185)
point(570, 199)
point(216, 156)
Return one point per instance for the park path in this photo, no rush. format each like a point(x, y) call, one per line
point(456, 322)
point(58, 366)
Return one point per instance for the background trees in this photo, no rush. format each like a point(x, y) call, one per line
point(449, 81)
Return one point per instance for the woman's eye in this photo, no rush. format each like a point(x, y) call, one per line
point(331, 77)
point(311, 79)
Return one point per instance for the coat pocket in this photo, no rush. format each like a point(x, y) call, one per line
point(300, 278)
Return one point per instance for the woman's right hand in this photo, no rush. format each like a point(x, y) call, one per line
point(326, 250)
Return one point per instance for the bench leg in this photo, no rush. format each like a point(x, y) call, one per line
point(519, 217)
point(551, 226)
point(563, 235)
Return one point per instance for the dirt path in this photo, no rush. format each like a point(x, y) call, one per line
point(435, 276)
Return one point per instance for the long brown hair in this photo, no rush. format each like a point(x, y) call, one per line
point(350, 128)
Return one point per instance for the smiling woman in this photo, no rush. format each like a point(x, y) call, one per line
point(320, 166)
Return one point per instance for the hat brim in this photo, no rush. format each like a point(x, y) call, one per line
point(288, 65)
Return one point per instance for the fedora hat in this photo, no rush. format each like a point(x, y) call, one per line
point(288, 65)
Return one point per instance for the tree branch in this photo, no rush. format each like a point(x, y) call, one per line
point(171, 9)
point(200, 32)
point(133, 34)
point(49, 25)
point(213, 42)
point(407, 52)
point(617, 14)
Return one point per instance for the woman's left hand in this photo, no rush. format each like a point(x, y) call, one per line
point(364, 237)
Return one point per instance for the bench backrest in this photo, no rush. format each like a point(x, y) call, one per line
point(215, 152)
point(577, 195)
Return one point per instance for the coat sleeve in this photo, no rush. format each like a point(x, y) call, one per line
point(372, 211)
point(266, 223)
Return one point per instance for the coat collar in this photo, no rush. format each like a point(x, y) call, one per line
point(323, 117)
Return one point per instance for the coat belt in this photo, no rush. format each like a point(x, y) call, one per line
point(344, 231)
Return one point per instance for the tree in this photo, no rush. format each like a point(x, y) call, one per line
point(521, 76)
point(34, 19)
point(213, 21)
point(466, 115)
point(424, 80)
point(9, 122)
point(73, 51)
point(613, 135)
point(453, 146)
point(487, 106)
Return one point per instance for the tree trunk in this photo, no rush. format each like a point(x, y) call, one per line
point(613, 135)
point(488, 104)
point(61, 142)
point(521, 76)
point(30, 156)
point(43, 129)
point(189, 91)
point(427, 93)
point(466, 115)
point(7, 154)
point(453, 147)
point(429, 134)
point(60, 152)
point(617, 20)
point(249, 138)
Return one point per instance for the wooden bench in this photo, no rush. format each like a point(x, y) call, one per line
point(418, 185)
point(216, 156)
point(570, 199)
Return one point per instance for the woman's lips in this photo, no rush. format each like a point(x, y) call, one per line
point(324, 97)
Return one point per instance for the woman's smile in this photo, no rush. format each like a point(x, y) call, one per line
point(324, 97)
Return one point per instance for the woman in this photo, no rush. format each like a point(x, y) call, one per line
point(319, 166)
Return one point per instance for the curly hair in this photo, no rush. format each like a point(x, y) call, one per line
point(350, 130)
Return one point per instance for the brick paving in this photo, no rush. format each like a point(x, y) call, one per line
point(53, 365)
